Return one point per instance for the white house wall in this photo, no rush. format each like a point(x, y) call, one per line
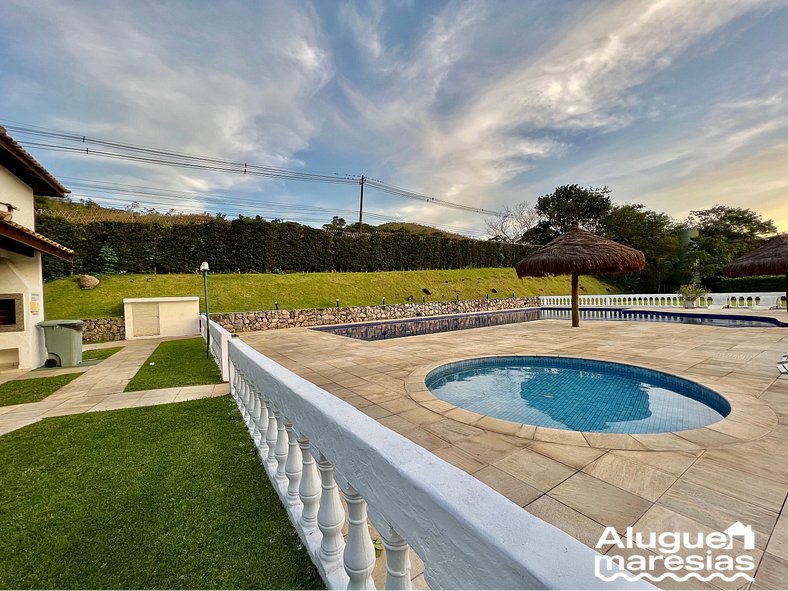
point(20, 195)
point(21, 274)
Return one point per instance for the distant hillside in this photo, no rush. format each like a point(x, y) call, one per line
point(90, 211)
point(413, 228)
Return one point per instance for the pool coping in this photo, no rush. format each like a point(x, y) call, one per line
point(749, 419)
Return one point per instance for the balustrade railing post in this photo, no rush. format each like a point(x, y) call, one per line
point(262, 425)
point(309, 488)
point(280, 451)
point(256, 404)
point(271, 437)
point(234, 385)
point(330, 516)
point(359, 555)
point(293, 465)
point(397, 560)
point(243, 393)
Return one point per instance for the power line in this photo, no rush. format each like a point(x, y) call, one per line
point(198, 203)
point(147, 155)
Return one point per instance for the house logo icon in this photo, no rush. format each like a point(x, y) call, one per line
point(739, 530)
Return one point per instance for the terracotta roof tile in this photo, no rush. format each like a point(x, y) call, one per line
point(11, 145)
point(38, 241)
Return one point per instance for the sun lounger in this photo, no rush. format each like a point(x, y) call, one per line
point(783, 367)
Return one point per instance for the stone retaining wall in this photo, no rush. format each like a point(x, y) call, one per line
point(273, 319)
point(114, 329)
point(97, 330)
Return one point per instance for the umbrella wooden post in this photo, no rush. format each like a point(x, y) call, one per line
point(575, 301)
point(580, 252)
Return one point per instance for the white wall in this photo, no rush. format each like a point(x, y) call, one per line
point(177, 316)
point(21, 274)
point(17, 193)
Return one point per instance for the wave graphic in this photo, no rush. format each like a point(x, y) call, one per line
point(675, 577)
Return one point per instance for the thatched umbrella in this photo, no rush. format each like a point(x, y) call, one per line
point(769, 259)
point(580, 253)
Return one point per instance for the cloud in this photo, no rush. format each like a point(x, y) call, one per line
point(178, 79)
point(585, 79)
point(364, 29)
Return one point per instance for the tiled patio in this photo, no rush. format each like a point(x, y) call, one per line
point(695, 481)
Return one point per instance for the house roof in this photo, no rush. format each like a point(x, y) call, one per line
point(23, 240)
point(20, 163)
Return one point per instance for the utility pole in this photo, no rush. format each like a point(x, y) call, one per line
point(361, 207)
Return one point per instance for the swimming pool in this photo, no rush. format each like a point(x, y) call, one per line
point(392, 329)
point(577, 394)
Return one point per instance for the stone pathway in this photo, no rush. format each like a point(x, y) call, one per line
point(100, 387)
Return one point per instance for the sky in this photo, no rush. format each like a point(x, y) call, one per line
point(676, 104)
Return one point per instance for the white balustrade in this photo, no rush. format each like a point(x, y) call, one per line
point(293, 466)
point(270, 438)
point(359, 555)
point(330, 516)
point(262, 422)
point(309, 489)
point(220, 339)
point(397, 560)
point(281, 448)
point(256, 404)
point(468, 535)
point(755, 300)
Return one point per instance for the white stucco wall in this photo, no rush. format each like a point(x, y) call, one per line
point(22, 274)
point(177, 316)
point(17, 193)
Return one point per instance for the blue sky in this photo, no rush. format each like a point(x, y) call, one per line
point(676, 104)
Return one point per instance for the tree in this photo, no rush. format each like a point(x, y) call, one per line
point(724, 233)
point(655, 234)
point(511, 224)
point(107, 260)
point(541, 233)
point(337, 223)
point(733, 223)
point(571, 205)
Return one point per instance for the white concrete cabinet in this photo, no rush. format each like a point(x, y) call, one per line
point(161, 317)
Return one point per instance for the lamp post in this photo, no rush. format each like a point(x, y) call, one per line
point(204, 270)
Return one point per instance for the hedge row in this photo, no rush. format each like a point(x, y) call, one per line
point(251, 245)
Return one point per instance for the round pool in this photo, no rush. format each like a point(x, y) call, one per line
point(577, 394)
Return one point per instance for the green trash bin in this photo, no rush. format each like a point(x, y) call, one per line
point(63, 340)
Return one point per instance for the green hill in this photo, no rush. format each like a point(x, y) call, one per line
point(234, 293)
point(412, 228)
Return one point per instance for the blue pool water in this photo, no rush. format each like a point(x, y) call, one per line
point(392, 329)
point(577, 394)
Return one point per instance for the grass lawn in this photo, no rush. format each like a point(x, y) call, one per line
point(100, 354)
point(162, 497)
point(176, 363)
point(32, 390)
point(234, 293)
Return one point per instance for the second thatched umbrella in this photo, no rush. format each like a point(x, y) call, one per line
point(580, 253)
point(769, 259)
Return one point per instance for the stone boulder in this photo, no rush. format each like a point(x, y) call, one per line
point(87, 282)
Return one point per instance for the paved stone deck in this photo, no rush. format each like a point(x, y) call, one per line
point(100, 387)
point(695, 481)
